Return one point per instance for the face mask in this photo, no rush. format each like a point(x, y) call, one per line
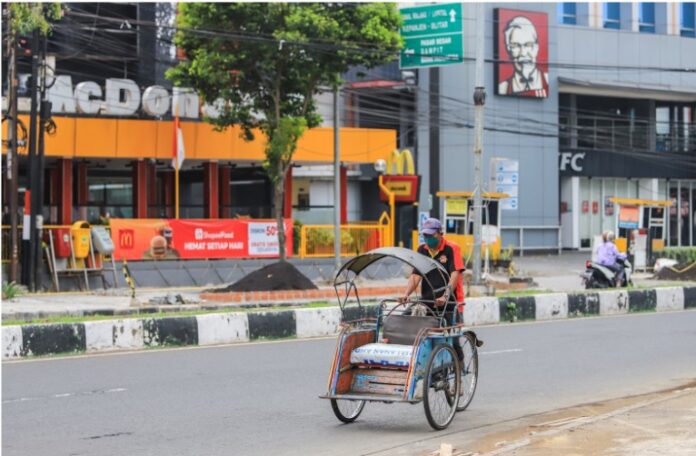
point(432, 242)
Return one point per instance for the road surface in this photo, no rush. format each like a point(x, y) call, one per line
point(262, 398)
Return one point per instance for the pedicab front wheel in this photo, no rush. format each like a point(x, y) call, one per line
point(347, 410)
point(441, 387)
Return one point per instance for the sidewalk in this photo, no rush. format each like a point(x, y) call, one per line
point(660, 423)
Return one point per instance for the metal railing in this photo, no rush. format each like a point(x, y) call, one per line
point(521, 229)
point(317, 241)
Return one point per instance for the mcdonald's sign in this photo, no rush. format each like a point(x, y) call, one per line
point(126, 239)
point(401, 177)
point(398, 160)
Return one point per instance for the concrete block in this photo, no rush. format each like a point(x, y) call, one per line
point(669, 299)
point(581, 304)
point(613, 302)
point(51, 339)
point(222, 328)
point(524, 308)
point(642, 300)
point(317, 322)
point(481, 311)
point(127, 334)
point(689, 297)
point(551, 306)
point(272, 325)
point(170, 331)
point(99, 335)
point(11, 342)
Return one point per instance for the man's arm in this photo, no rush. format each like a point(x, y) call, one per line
point(413, 281)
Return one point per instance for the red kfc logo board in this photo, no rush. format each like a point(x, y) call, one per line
point(522, 51)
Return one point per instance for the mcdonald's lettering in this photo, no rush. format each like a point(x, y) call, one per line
point(398, 160)
point(405, 188)
point(126, 239)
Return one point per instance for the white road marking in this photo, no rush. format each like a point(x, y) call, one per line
point(62, 395)
point(496, 352)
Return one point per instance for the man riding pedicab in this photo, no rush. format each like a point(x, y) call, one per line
point(448, 296)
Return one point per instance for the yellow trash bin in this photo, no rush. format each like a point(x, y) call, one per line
point(80, 233)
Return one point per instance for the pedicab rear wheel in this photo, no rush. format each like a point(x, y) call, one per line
point(347, 410)
point(469, 372)
point(441, 387)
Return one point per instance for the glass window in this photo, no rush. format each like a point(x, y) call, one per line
point(688, 19)
point(612, 15)
point(646, 17)
point(567, 13)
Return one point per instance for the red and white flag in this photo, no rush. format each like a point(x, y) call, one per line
point(178, 153)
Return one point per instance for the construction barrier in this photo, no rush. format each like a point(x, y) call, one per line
point(317, 241)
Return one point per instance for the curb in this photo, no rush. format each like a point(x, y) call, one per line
point(225, 328)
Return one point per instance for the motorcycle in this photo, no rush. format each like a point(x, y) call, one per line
point(599, 276)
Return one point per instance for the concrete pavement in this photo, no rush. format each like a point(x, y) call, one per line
point(262, 398)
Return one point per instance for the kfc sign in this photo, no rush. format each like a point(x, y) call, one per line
point(521, 51)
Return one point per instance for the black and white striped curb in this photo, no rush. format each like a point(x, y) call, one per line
point(226, 328)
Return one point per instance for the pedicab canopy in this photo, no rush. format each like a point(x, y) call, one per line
point(421, 264)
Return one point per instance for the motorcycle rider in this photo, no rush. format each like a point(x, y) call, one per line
point(608, 254)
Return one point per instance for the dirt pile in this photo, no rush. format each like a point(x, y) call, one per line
point(276, 276)
point(682, 271)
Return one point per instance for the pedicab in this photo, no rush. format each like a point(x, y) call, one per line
point(405, 353)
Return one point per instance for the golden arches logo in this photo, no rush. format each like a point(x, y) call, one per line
point(398, 160)
point(126, 239)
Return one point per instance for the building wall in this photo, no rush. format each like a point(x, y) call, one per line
point(588, 44)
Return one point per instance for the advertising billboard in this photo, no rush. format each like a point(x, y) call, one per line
point(521, 53)
point(166, 239)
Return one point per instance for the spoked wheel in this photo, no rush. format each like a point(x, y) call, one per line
point(441, 387)
point(469, 372)
point(346, 410)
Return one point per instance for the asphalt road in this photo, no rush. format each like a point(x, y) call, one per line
point(263, 398)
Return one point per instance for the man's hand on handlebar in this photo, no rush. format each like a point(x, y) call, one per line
point(402, 299)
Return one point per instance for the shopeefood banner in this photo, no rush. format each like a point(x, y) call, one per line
point(165, 239)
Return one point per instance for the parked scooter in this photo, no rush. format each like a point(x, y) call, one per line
point(598, 276)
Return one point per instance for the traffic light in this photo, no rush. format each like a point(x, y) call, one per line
point(24, 46)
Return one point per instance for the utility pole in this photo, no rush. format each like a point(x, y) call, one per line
point(12, 153)
point(337, 182)
point(479, 102)
point(45, 114)
point(29, 241)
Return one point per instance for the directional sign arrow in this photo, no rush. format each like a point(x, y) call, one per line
point(452, 15)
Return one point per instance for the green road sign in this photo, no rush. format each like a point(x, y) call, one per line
point(432, 35)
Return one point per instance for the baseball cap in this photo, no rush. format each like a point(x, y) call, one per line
point(431, 226)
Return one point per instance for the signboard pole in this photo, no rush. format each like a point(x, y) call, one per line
point(479, 101)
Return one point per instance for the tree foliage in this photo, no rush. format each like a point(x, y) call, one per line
point(27, 17)
point(263, 63)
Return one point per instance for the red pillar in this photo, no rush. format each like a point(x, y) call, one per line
point(140, 199)
point(168, 177)
point(152, 190)
point(82, 192)
point(64, 185)
point(225, 194)
point(210, 189)
point(287, 201)
point(344, 194)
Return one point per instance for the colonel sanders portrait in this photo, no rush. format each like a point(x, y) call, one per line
point(522, 46)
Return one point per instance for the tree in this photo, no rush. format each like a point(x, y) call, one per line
point(263, 63)
point(27, 17)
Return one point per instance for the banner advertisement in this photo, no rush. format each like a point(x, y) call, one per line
point(628, 217)
point(164, 239)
